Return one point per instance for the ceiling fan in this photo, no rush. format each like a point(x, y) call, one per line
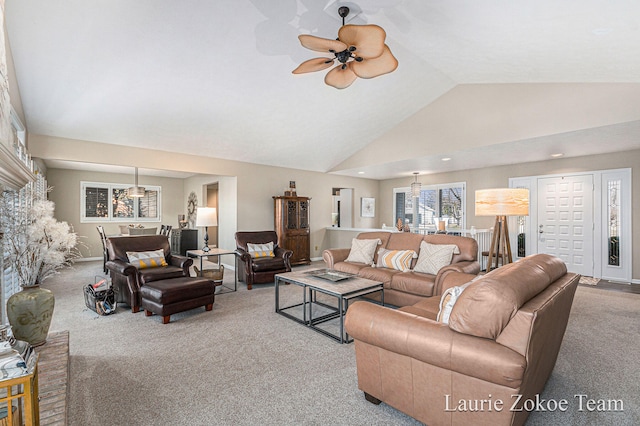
point(359, 49)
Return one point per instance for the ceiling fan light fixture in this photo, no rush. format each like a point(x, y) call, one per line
point(360, 51)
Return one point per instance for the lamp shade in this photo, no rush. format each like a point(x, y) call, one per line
point(207, 216)
point(502, 202)
point(136, 191)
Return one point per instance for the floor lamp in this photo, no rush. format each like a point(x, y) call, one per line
point(501, 202)
point(206, 216)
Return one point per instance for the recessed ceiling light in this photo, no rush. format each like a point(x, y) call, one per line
point(360, 173)
point(446, 159)
point(557, 155)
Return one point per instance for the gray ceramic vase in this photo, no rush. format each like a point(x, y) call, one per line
point(30, 312)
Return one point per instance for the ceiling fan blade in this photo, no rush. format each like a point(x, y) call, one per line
point(370, 68)
point(321, 44)
point(315, 64)
point(340, 78)
point(368, 39)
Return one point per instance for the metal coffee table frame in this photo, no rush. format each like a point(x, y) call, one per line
point(217, 252)
point(311, 286)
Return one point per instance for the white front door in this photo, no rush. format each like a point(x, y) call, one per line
point(565, 221)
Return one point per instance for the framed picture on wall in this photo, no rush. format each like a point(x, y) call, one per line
point(367, 207)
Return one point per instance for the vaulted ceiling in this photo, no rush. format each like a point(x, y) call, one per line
point(480, 82)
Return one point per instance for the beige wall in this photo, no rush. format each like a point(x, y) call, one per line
point(253, 204)
point(499, 177)
point(250, 186)
point(66, 195)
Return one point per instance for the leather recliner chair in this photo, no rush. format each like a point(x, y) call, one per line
point(261, 270)
point(127, 279)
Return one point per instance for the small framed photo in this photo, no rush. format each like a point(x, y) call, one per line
point(367, 207)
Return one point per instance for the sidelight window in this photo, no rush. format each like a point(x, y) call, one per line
point(613, 221)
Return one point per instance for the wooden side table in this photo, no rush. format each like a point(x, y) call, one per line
point(24, 387)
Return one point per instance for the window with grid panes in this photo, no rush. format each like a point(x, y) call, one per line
point(109, 202)
point(435, 201)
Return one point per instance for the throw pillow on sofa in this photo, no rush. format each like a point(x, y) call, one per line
point(448, 300)
point(396, 259)
point(260, 250)
point(434, 257)
point(362, 251)
point(147, 259)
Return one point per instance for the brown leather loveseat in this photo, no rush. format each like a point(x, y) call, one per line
point(495, 354)
point(127, 279)
point(402, 288)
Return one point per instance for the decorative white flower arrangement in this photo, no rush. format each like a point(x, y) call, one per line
point(37, 244)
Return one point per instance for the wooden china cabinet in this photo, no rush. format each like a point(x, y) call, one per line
point(292, 226)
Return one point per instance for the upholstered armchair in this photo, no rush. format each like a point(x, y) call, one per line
point(261, 268)
point(127, 279)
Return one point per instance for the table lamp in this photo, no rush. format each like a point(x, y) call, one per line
point(206, 216)
point(501, 202)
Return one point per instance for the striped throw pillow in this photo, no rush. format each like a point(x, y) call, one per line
point(395, 259)
point(260, 250)
point(147, 259)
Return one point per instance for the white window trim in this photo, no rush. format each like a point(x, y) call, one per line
point(110, 218)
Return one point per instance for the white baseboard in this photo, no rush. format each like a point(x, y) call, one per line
point(314, 259)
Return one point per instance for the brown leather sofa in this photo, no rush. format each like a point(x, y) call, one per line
point(406, 288)
point(260, 270)
point(501, 342)
point(127, 279)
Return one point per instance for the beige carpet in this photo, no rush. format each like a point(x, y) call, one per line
point(239, 364)
point(242, 364)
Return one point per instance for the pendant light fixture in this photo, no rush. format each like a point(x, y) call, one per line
point(136, 191)
point(416, 186)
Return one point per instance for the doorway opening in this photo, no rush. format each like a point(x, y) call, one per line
point(211, 200)
point(342, 210)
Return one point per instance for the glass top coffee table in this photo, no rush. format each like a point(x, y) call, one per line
point(344, 287)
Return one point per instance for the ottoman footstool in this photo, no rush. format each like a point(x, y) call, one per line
point(167, 297)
